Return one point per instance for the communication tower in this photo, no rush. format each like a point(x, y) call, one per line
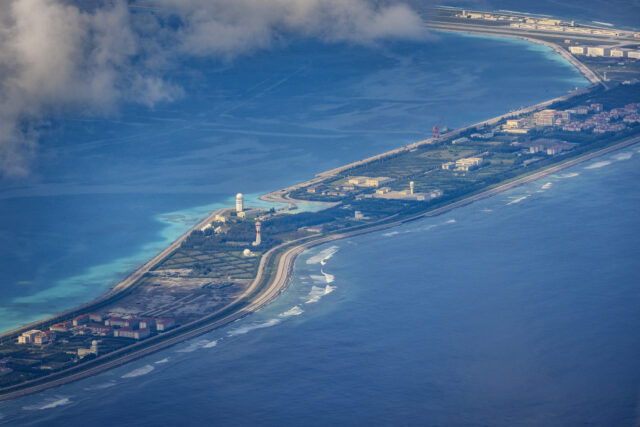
point(258, 240)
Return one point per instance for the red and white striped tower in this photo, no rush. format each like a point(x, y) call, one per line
point(257, 242)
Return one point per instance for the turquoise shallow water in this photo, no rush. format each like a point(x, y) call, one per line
point(109, 193)
point(520, 309)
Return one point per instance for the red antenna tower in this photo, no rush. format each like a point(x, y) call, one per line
point(436, 129)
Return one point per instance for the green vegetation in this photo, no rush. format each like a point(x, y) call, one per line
point(211, 264)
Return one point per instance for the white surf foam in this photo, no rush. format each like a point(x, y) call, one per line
point(391, 233)
point(317, 293)
point(139, 372)
point(568, 175)
point(192, 347)
point(248, 328)
point(547, 186)
point(323, 255)
point(518, 199)
point(197, 345)
point(329, 278)
point(598, 164)
point(487, 210)
point(623, 156)
point(293, 311)
point(49, 404)
point(451, 221)
point(160, 362)
point(101, 386)
point(210, 344)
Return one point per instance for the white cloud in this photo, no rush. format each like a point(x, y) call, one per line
point(56, 57)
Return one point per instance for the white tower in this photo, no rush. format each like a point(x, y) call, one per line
point(411, 188)
point(258, 240)
point(239, 202)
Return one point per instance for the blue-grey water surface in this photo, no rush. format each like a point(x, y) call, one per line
point(514, 310)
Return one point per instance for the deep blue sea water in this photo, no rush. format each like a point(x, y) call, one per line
point(521, 309)
point(107, 194)
point(514, 310)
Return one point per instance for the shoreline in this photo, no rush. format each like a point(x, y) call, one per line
point(284, 274)
point(285, 254)
point(460, 28)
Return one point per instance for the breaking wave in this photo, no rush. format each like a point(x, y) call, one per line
point(101, 386)
point(518, 199)
point(197, 345)
point(623, 156)
point(598, 164)
point(49, 404)
point(139, 372)
point(293, 311)
point(547, 186)
point(329, 278)
point(419, 229)
point(317, 293)
point(248, 328)
point(568, 175)
point(322, 256)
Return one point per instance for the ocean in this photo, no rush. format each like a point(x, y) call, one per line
point(518, 309)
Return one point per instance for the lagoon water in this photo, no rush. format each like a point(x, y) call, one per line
point(519, 309)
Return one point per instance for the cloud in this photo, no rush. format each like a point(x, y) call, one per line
point(231, 27)
point(58, 56)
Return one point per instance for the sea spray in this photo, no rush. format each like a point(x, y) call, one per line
point(293, 311)
point(317, 293)
point(518, 199)
point(623, 156)
point(248, 328)
point(598, 165)
point(323, 255)
point(48, 404)
point(139, 372)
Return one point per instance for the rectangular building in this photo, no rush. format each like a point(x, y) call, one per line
point(132, 333)
point(598, 51)
point(164, 324)
point(43, 338)
point(28, 337)
point(61, 327)
point(545, 117)
point(83, 319)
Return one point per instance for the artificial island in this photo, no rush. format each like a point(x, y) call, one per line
point(238, 259)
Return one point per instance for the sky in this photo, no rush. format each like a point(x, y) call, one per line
point(58, 57)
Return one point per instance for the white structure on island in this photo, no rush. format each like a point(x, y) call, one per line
point(239, 204)
point(258, 240)
point(411, 188)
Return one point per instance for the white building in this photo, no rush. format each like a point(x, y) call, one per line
point(577, 50)
point(239, 203)
point(617, 53)
point(598, 51)
point(28, 337)
point(364, 181)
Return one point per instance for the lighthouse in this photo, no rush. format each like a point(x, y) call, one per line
point(411, 188)
point(257, 242)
